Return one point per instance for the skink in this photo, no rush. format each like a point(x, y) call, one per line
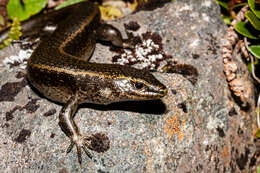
point(60, 70)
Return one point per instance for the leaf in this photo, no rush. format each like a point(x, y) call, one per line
point(2, 21)
point(227, 19)
point(256, 61)
point(241, 28)
point(15, 9)
point(255, 50)
point(223, 4)
point(110, 12)
point(249, 66)
point(23, 11)
point(133, 5)
point(258, 136)
point(35, 6)
point(253, 7)
point(240, 4)
point(258, 169)
point(141, 1)
point(67, 3)
point(253, 20)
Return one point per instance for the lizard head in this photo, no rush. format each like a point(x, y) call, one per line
point(115, 83)
point(137, 84)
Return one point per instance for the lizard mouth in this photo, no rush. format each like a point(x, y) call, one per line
point(161, 92)
point(156, 93)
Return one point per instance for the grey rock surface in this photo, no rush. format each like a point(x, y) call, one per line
point(202, 130)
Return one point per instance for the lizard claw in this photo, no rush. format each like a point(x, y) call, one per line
point(81, 143)
point(97, 142)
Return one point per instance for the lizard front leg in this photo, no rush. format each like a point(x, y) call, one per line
point(69, 127)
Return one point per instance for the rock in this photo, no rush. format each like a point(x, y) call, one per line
point(195, 128)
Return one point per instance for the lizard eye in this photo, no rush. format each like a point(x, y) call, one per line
point(139, 85)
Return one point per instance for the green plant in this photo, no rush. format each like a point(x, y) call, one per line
point(67, 3)
point(24, 9)
point(14, 33)
point(251, 27)
point(229, 7)
point(247, 23)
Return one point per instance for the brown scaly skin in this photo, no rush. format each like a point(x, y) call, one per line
point(60, 70)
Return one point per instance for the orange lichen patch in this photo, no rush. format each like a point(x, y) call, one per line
point(173, 126)
point(225, 155)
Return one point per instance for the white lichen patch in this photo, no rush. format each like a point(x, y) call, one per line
point(214, 123)
point(158, 149)
point(194, 14)
point(146, 55)
point(205, 17)
point(185, 8)
point(18, 60)
point(206, 3)
point(195, 43)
